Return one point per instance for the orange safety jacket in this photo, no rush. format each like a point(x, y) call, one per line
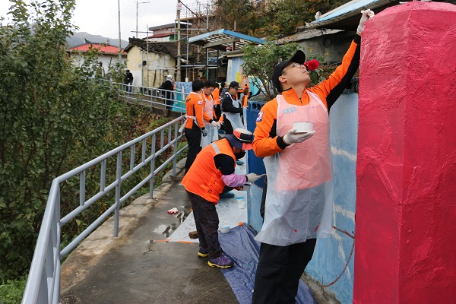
point(216, 96)
point(194, 108)
point(203, 178)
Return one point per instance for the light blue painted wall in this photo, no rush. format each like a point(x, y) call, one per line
point(331, 255)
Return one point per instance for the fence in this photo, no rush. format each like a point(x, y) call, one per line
point(154, 96)
point(43, 284)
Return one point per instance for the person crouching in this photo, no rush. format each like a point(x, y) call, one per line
point(212, 173)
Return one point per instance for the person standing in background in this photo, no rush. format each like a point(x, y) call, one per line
point(224, 88)
point(232, 109)
point(216, 97)
point(194, 125)
point(128, 80)
point(209, 121)
point(168, 88)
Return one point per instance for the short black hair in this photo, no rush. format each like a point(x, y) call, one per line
point(197, 85)
point(209, 84)
point(234, 84)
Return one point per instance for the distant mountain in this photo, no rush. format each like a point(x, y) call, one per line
point(78, 39)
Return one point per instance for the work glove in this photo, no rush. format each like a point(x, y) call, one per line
point(292, 137)
point(204, 132)
point(366, 15)
point(252, 177)
point(215, 124)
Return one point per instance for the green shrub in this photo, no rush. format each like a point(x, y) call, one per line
point(11, 291)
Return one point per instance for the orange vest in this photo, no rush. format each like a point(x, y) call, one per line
point(216, 96)
point(203, 178)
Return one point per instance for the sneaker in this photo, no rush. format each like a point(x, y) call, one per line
point(202, 253)
point(221, 262)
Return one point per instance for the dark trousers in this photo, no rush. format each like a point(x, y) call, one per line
point(207, 221)
point(218, 111)
point(193, 136)
point(279, 271)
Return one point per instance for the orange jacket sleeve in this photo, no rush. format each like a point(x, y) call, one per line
point(266, 142)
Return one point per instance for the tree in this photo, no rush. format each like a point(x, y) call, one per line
point(53, 118)
point(231, 13)
point(259, 61)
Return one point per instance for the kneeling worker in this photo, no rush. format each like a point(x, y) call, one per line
point(210, 175)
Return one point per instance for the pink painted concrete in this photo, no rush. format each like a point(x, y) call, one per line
point(406, 167)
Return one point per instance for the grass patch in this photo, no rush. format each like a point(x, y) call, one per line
point(11, 291)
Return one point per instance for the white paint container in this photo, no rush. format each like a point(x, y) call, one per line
point(303, 126)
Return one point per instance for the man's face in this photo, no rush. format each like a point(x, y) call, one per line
point(208, 91)
point(294, 73)
point(233, 91)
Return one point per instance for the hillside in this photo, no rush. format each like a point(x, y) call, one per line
point(78, 39)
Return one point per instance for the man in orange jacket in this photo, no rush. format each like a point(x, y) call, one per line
point(299, 197)
point(212, 173)
point(194, 125)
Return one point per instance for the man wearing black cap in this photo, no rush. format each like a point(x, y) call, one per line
point(212, 173)
point(299, 195)
point(232, 109)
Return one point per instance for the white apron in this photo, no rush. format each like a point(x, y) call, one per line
point(181, 129)
point(235, 118)
point(300, 195)
point(212, 134)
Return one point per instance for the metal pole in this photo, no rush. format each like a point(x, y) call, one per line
point(137, 15)
point(178, 75)
point(137, 4)
point(120, 38)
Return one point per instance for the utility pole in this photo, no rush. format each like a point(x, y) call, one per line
point(137, 5)
point(179, 8)
point(120, 38)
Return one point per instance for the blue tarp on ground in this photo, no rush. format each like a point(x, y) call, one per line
point(240, 245)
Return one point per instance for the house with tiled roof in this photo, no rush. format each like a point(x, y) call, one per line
point(107, 54)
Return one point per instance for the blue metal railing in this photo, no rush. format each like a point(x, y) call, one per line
point(43, 283)
point(154, 96)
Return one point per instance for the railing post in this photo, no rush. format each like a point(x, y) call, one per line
point(176, 129)
point(119, 181)
point(57, 245)
point(152, 167)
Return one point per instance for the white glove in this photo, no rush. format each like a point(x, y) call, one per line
point(215, 124)
point(204, 132)
point(292, 137)
point(366, 15)
point(252, 177)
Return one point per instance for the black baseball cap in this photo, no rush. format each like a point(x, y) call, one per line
point(298, 57)
point(234, 84)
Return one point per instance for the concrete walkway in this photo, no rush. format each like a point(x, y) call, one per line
point(139, 266)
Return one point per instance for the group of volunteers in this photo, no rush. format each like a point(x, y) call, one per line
point(298, 194)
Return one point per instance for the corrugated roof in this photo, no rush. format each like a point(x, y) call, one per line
point(164, 47)
point(347, 16)
point(221, 39)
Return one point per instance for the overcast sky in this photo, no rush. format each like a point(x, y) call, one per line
point(100, 17)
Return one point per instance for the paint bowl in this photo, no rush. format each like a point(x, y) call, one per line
point(303, 126)
point(224, 229)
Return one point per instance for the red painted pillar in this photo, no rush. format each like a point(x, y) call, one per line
point(406, 167)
